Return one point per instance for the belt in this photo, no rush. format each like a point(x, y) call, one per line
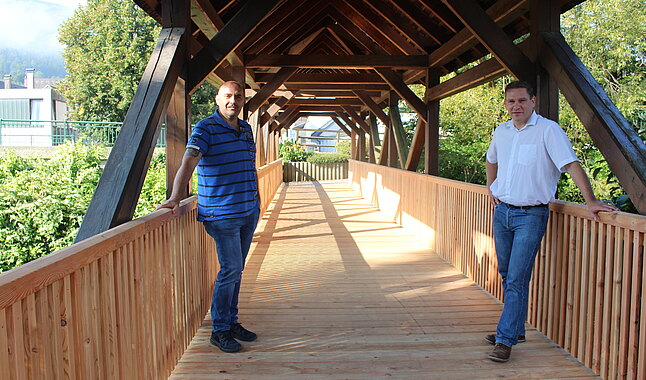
point(526, 207)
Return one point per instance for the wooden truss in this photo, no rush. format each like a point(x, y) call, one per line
point(351, 60)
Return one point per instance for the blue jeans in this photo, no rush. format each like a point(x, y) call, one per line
point(232, 239)
point(517, 234)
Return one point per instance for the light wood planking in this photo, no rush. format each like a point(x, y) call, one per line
point(588, 285)
point(337, 290)
point(123, 304)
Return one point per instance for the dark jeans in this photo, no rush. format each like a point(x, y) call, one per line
point(232, 239)
point(517, 234)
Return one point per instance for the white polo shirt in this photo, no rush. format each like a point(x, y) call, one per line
point(530, 161)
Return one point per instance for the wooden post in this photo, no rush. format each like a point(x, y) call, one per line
point(545, 17)
point(432, 135)
point(397, 129)
point(374, 137)
point(177, 131)
point(238, 75)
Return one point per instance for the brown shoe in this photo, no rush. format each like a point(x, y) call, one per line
point(501, 353)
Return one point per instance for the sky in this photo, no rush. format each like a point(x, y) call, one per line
point(33, 24)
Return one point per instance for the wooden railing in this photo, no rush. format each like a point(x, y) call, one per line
point(123, 304)
point(588, 291)
point(307, 171)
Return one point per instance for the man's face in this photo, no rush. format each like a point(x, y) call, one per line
point(519, 105)
point(230, 100)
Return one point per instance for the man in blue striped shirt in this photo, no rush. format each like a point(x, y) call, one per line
point(223, 149)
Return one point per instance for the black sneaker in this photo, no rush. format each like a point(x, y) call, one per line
point(242, 334)
point(224, 341)
point(500, 353)
point(491, 339)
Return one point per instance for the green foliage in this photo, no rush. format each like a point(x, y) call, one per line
point(203, 102)
point(108, 43)
point(153, 191)
point(326, 158)
point(42, 202)
point(344, 147)
point(291, 151)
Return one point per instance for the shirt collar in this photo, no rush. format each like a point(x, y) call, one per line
point(223, 122)
point(532, 121)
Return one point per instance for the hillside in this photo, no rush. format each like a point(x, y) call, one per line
point(14, 62)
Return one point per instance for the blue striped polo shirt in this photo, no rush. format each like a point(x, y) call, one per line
point(227, 185)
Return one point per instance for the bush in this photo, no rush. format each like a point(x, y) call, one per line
point(343, 147)
point(292, 151)
point(327, 158)
point(42, 202)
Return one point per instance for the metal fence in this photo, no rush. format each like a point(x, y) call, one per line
point(15, 132)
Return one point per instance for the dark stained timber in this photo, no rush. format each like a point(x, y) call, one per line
point(614, 136)
point(227, 39)
point(116, 195)
point(494, 38)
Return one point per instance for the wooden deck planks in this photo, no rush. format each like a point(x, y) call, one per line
point(334, 290)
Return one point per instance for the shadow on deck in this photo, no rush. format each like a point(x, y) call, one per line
point(334, 290)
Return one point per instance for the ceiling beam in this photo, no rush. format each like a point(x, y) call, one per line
point(397, 84)
point(276, 106)
point(338, 61)
point(325, 102)
point(341, 125)
point(324, 86)
point(227, 40)
point(326, 78)
point(494, 38)
point(374, 107)
point(268, 89)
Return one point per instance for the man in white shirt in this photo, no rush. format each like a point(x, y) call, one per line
point(524, 162)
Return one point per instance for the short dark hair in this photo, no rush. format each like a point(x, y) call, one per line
point(521, 84)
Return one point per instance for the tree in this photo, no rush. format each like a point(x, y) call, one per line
point(108, 43)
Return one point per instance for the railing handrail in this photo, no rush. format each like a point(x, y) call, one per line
point(30, 277)
point(588, 287)
point(617, 218)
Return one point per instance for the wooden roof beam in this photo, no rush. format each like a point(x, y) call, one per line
point(287, 28)
point(268, 89)
point(502, 13)
point(325, 102)
point(366, 28)
point(276, 106)
point(421, 21)
point(402, 24)
point(337, 61)
point(494, 38)
point(374, 107)
point(272, 23)
point(385, 26)
point(397, 84)
point(327, 78)
point(227, 39)
point(343, 127)
point(324, 86)
point(206, 17)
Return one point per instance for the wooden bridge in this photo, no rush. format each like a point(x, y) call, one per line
point(344, 280)
point(392, 274)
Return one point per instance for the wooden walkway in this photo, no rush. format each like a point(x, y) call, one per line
point(335, 291)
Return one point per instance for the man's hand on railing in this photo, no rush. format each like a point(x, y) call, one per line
point(169, 203)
